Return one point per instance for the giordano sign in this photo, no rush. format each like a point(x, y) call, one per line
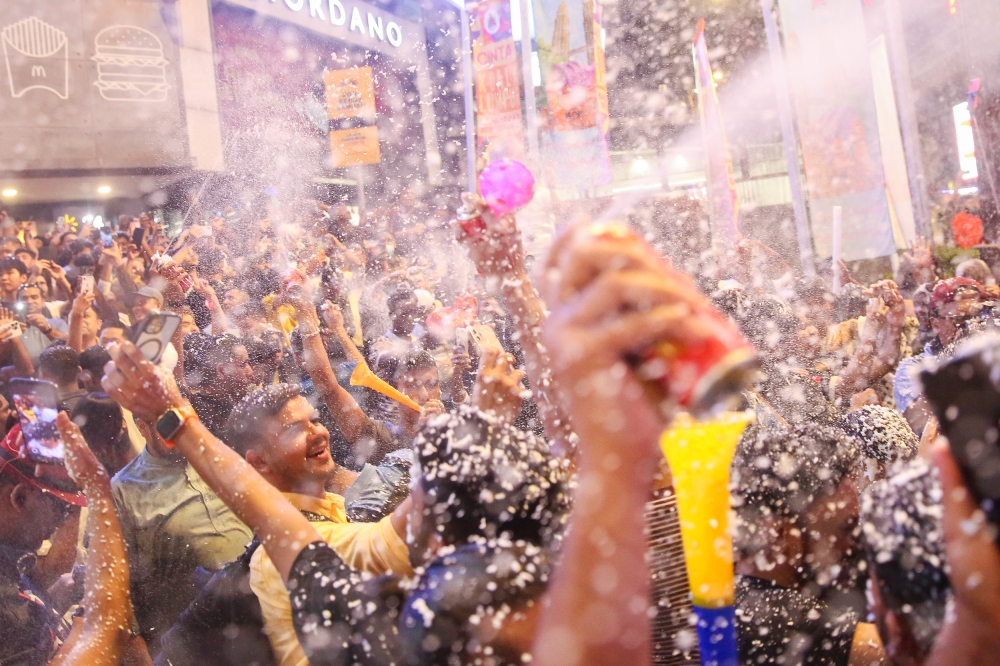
point(351, 21)
point(370, 28)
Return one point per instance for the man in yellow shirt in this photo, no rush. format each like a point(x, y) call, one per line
point(279, 434)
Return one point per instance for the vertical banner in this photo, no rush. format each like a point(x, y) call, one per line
point(574, 136)
point(890, 135)
point(350, 106)
point(723, 202)
point(500, 130)
point(831, 79)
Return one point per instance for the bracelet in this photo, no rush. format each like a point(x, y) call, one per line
point(308, 329)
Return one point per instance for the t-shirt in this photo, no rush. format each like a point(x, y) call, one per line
point(370, 547)
point(173, 523)
point(779, 625)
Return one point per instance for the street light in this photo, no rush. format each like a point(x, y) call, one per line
point(104, 189)
point(9, 192)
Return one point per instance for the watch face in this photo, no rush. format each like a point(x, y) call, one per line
point(168, 424)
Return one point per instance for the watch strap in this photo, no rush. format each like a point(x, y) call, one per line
point(184, 413)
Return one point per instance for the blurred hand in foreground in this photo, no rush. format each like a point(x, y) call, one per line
point(611, 296)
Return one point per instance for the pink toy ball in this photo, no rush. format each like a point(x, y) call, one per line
point(506, 185)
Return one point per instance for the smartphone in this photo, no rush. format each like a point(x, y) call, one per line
point(10, 330)
point(106, 239)
point(86, 284)
point(964, 393)
point(154, 333)
point(37, 403)
point(137, 236)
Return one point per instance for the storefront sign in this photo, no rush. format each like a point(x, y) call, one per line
point(498, 88)
point(346, 19)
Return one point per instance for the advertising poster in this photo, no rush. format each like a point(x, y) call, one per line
point(89, 86)
point(500, 131)
point(831, 80)
point(574, 136)
point(350, 101)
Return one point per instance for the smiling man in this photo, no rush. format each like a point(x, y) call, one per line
point(279, 434)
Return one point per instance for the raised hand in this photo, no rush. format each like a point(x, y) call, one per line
point(333, 318)
point(81, 463)
point(919, 261)
point(81, 303)
point(138, 385)
point(498, 386)
point(113, 254)
point(496, 250)
point(610, 296)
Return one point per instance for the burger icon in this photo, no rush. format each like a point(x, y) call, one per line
point(130, 65)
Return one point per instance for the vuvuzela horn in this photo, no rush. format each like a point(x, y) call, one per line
point(362, 376)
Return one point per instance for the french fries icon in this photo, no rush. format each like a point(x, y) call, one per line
point(37, 57)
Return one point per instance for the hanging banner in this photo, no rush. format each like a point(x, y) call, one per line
point(574, 136)
point(350, 101)
point(500, 132)
point(831, 79)
point(723, 201)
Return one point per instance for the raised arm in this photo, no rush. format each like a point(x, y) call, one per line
point(148, 392)
point(499, 257)
point(76, 315)
point(333, 319)
point(20, 359)
point(342, 405)
point(609, 299)
point(106, 597)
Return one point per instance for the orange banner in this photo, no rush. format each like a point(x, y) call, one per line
point(350, 93)
point(498, 85)
point(354, 147)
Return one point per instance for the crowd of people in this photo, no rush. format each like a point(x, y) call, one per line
point(398, 441)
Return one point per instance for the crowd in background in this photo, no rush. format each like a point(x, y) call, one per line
point(298, 515)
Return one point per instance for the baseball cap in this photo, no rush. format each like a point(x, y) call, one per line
point(14, 461)
point(954, 290)
point(150, 292)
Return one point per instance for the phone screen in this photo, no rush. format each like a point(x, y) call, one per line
point(106, 239)
point(137, 236)
point(154, 334)
point(86, 284)
point(37, 404)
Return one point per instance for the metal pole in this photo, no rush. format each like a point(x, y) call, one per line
point(470, 119)
point(908, 118)
point(530, 112)
point(788, 139)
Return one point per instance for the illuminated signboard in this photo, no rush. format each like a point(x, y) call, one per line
point(966, 142)
point(349, 20)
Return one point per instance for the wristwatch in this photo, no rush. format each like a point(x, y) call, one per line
point(172, 422)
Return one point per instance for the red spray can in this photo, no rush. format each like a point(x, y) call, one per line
point(699, 377)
